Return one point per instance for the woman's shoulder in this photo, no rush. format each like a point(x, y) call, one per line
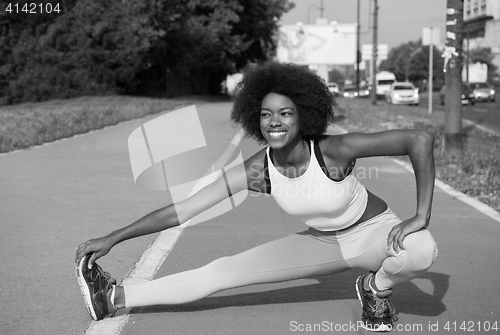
point(257, 159)
point(333, 146)
point(255, 171)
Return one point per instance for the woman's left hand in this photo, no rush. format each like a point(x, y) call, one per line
point(405, 228)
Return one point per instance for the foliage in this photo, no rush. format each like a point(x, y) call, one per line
point(135, 46)
point(413, 57)
point(95, 48)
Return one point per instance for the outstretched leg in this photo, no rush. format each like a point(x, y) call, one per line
point(296, 256)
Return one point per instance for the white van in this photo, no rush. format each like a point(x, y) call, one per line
point(384, 80)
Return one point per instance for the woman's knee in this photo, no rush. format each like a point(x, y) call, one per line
point(422, 249)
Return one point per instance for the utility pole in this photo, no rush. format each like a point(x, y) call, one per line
point(453, 78)
point(431, 72)
point(374, 57)
point(358, 53)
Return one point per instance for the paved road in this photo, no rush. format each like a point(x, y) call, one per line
point(56, 196)
point(485, 114)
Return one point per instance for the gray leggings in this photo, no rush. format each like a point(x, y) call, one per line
point(301, 255)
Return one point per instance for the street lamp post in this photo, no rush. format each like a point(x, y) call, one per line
point(407, 74)
point(314, 7)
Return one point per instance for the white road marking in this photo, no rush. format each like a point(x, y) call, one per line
point(483, 128)
point(150, 262)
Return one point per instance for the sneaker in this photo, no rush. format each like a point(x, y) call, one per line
point(96, 286)
point(378, 312)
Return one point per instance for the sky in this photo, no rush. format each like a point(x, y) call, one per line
point(399, 21)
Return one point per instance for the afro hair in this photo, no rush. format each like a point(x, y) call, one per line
point(314, 101)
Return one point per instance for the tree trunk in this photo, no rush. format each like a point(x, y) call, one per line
point(453, 141)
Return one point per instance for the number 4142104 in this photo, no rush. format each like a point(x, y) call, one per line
point(471, 326)
point(33, 8)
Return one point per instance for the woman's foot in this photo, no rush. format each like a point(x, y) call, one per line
point(97, 288)
point(378, 312)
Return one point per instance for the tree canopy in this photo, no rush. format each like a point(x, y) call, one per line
point(412, 59)
point(137, 46)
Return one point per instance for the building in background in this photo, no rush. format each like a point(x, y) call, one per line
point(482, 26)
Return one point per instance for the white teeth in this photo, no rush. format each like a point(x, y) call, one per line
point(277, 134)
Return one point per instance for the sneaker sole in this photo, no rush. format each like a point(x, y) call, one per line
point(357, 290)
point(85, 290)
point(381, 328)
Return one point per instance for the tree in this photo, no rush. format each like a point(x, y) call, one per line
point(96, 48)
point(218, 37)
point(453, 57)
point(414, 57)
point(125, 46)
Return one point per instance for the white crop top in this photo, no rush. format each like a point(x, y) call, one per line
point(322, 203)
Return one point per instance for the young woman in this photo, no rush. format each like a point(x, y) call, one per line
point(309, 175)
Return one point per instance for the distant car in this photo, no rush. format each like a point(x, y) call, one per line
point(334, 88)
point(467, 95)
point(350, 92)
point(364, 91)
point(483, 91)
point(403, 93)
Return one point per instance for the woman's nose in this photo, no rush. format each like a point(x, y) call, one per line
point(275, 121)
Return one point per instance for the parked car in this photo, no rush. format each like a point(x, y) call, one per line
point(483, 91)
point(403, 93)
point(467, 95)
point(334, 88)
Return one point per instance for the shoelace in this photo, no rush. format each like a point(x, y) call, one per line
point(384, 309)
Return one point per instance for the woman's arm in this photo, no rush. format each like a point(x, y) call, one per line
point(231, 182)
point(419, 146)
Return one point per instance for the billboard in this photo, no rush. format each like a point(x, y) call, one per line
point(333, 44)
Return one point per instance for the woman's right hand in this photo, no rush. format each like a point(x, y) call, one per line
point(98, 247)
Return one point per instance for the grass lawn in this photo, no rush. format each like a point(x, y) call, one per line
point(29, 124)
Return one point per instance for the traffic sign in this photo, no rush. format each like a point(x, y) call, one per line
point(431, 35)
point(367, 52)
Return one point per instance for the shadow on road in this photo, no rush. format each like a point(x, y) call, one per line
point(408, 298)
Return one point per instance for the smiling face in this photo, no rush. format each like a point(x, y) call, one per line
point(279, 121)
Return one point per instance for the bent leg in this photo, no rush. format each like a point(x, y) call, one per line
point(419, 254)
point(395, 268)
point(292, 257)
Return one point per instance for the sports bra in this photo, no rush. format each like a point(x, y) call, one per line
point(322, 203)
